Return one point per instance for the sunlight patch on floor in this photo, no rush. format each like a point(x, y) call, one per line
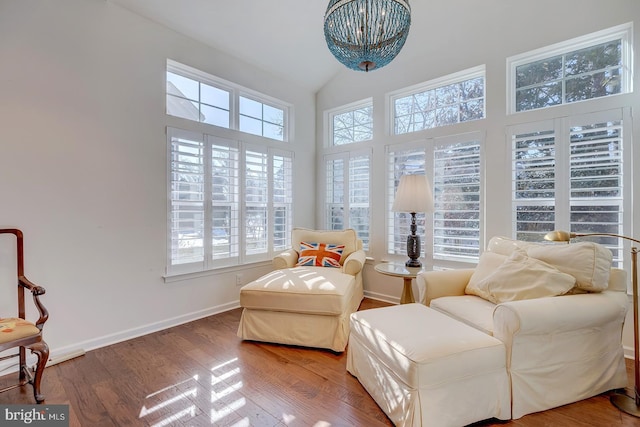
point(220, 389)
point(190, 411)
point(181, 396)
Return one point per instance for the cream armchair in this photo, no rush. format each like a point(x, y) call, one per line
point(560, 349)
point(305, 305)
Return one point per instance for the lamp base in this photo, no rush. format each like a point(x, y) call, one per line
point(413, 245)
point(413, 263)
point(626, 404)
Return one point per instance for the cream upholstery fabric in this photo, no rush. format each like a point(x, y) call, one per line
point(521, 277)
point(307, 306)
point(469, 309)
point(563, 350)
point(588, 262)
point(559, 350)
point(489, 262)
point(444, 373)
point(312, 290)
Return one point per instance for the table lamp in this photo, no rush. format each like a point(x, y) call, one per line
point(413, 195)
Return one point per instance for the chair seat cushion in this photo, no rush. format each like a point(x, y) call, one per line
point(14, 328)
point(312, 290)
point(470, 309)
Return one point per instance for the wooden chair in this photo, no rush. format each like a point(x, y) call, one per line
point(18, 332)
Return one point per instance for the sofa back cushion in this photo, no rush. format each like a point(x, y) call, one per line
point(521, 277)
point(347, 237)
point(588, 262)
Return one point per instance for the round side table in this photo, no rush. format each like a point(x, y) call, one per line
point(398, 269)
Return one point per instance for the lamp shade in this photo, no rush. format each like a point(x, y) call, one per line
point(413, 195)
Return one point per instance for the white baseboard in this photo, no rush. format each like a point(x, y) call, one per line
point(628, 352)
point(128, 334)
point(382, 297)
point(62, 354)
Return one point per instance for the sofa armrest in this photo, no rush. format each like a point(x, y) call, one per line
point(558, 314)
point(286, 259)
point(445, 283)
point(354, 262)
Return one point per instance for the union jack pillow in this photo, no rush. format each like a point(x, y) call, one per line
point(320, 254)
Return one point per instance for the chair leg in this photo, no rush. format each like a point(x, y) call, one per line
point(24, 377)
point(40, 349)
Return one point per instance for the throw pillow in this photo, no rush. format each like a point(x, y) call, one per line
point(588, 262)
point(487, 264)
point(521, 277)
point(320, 254)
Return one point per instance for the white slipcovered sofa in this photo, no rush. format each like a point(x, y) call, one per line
point(306, 305)
point(559, 349)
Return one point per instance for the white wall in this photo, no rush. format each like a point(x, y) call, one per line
point(83, 166)
point(461, 34)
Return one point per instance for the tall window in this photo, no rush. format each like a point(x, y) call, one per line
point(588, 67)
point(347, 193)
point(570, 174)
point(452, 165)
point(352, 123)
point(219, 216)
point(456, 188)
point(403, 161)
point(452, 99)
point(230, 201)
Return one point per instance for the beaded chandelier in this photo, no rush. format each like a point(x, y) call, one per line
point(366, 34)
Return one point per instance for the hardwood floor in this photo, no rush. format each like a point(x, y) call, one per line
point(201, 374)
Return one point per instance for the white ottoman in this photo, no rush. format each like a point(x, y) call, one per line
point(425, 368)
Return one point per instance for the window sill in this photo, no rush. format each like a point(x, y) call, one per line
point(177, 277)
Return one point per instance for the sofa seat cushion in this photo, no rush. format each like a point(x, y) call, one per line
point(470, 309)
point(290, 289)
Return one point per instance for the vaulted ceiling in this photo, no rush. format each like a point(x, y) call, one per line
point(283, 37)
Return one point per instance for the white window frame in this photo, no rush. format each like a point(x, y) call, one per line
point(346, 158)
point(329, 116)
point(460, 76)
point(624, 32)
point(432, 256)
point(396, 236)
point(236, 91)
point(208, 134)
point(562, 200)
point(239, 254)
point(474, 139)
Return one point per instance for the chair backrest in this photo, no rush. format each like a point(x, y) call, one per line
point(617, 280)
point(347, 237)
point(20, 266)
